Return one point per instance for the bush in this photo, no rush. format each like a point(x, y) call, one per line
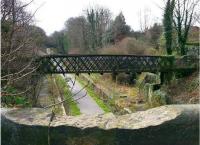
point(154, 98)
point(136, 47)
point(9, 100)
point(158, 98)
point(151, 51)
point(129, 46)
point(123, 78)
point(151, 78)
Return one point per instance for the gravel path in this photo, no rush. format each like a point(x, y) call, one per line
point(43, 98)
point(46, 99)
point(87, 105)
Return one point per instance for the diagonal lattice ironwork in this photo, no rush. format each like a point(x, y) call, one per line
point(113, 63)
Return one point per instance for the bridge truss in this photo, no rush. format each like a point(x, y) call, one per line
point(114, 63)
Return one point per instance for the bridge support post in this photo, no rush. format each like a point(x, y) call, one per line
point(114, 76)
point(133, 76)
point(162, 78)
point(166, 77)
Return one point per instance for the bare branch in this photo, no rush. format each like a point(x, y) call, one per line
point(4, 93)
point(49, 106)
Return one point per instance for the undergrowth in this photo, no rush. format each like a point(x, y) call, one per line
point(11, 99)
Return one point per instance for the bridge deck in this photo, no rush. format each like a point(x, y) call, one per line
point(114, 63)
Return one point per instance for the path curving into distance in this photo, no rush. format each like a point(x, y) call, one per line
point(86, 104)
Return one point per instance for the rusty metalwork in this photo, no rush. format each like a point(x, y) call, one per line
point(114, 63)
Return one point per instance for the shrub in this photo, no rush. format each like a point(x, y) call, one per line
point(136, 47)
point(154, 98)
point(158, 98)
point(151, 78)
point(9, 100)
point(123, 78)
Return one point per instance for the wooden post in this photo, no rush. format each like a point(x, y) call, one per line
point(114, 76)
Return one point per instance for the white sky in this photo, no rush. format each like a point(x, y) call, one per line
point(53, 13)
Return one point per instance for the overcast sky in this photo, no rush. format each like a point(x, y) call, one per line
point(53, 13)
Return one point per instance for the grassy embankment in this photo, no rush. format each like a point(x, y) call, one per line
point(119, 96)
point(53, 95)
point(62, 89)
point(73, 108)
point(184, 90)
point(94, 95)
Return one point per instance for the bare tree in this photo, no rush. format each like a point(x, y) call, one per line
point(76, 28)
point(145, 19)
point(18, 47)
point(98, 19)
point(186, 13)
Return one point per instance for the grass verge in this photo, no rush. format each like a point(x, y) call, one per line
point(64, 89)
point(94, 95)
point(53, 94)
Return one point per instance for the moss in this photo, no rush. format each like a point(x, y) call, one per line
point(73, 108)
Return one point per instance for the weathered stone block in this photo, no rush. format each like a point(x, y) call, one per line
point(166, 125)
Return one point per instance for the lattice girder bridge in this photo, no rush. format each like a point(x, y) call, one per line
point(114, 63)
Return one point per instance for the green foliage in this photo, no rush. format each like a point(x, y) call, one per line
point(9, 99)
point(184, 17)
point(168, 62)
point(159, 98)
point(194, 84)
point(154, 98)
point(66, 43)
point(168, 27)
point(97, 100)
point(98, 20)
point(5, 27)
point(73, 108)
point(192, 44)
point(94, 95)
point(119, 28)
point(58, 40)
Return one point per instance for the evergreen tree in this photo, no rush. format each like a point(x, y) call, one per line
point(120, 29)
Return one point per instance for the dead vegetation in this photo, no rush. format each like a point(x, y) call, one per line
point(184, 90)
point(129, 45)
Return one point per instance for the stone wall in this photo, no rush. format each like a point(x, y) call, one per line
point(166, 125)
